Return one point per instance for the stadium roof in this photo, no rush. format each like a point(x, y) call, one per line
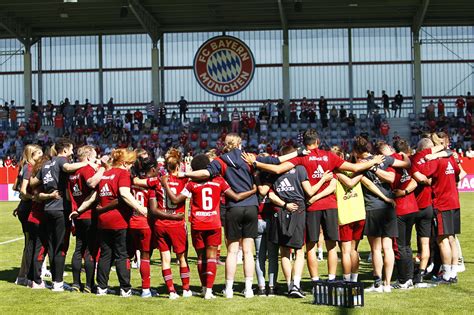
point(36, 18)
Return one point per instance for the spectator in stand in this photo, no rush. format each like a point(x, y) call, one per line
point(281, 112)
point(323, 111)
point(58, 124)
point(351, 124)
point(49, 113)
point(395, 137)
point(386, 103)
point(13, 118)
point(430, 111)
point(128, 116)
point(252, 123)
point(204, 118)
point(215, 115)
point(384, 130)
point(79, 116)
point(311, 111)
point(440, 108)
point(235, 120)
point(100, 114)
point(225, 117)
point(333, 113)
point(68, 115)
point(304, 109)
point(89, 114)
point(369, 103)
point(460, 104)
point(138, 116)
point(273, 114)
point(293, 113)
point(162, 111)
point(183, 108)
point(174, 121)
point(3, 118)
point(110, 106)
point(469, 103)
point(342, 113)
point(150, 111)
point(398, 102)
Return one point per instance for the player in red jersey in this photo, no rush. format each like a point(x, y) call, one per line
point(140, 226)
point(112, 224)
point(445, 173)
point(324, 211)
point(80, 186)
point(205, 218)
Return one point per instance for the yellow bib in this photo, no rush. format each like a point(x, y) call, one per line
point(350, 203)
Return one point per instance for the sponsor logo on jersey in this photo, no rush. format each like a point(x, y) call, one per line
point(285, 185)
point(318, 158)
point(105, 191)
point(76, 192)
point(224, 66)
point(318, 173)
point(405, 177)
point(449, 169)
point(48, 178)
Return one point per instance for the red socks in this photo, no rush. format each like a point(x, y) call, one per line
point(211, 272)
point(168, 277)
point(145, 273)
point(184, 273)
point(202, 267)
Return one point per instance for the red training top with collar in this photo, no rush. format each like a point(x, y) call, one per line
point(404, 204)
point(176, 185)
point(422, 192)
point(443, 173)
point(108, 190)
point(205, 204)
point(316, 163)
point(143, 196)
point(79, 190)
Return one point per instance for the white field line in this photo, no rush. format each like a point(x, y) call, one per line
point(11, 241)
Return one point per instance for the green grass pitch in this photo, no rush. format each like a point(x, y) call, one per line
point(14, 299)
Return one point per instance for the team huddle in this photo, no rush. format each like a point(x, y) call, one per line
point(125, 206)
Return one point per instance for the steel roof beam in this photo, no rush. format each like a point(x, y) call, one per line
point(16, 29)
point(146, 19)
point(420, 16)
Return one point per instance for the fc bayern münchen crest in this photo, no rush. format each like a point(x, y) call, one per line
point(224, 65)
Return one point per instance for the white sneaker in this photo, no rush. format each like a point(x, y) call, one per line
point(378, 289)
point(35, 286)
point(45, 273)
point(134, 265)
point(187, 293)
point(124, 293)
point(228, 294)
point(403, 286)
point(173, 296)
point(248, 294)
point(146, 293)
point(430, 268)
point(387, 288)
point(209, 296)
point(101, 292)
point(58, 287)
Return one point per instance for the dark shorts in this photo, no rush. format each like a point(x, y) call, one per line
point(223, 209)
point(449, 222)
point(381, 223)
point(167, 238)
point(241, 222)
point(423, 222)
point(206, 238)
point(327, 219)
point(288, 229)
point(353, 231)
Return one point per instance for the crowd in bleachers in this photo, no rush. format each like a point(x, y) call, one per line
point(266, 130)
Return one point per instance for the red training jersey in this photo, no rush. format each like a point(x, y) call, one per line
point(316, 163)
point(422, 192)
point(404, 204)
point(176, 186)
point(79, 190)
point(143, 196)
point(443, 173)
point(205, 204)
point(108, 190)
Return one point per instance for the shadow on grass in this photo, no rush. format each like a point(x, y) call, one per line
point(9, 275)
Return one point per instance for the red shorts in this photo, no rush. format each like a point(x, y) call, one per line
point(205, 238)
point(141, 239)
point(165, 238)
point(352, 231)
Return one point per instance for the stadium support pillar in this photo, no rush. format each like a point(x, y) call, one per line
point(286, 72)
point(162, 68)
point(350, 71)
point(40, 72)
point(101, 72)
point(417, 87)
point(155, 74)
point(27, 80)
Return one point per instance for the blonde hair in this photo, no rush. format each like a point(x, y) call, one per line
point(120, 156)
point(27, 156)
point(172, 159)
point(337, 150)
point(85, 151)
point(212, 154)
point(232, 141)
point(141, 152)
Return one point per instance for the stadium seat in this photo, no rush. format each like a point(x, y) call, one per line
point(363, 117)
point(412, 116)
